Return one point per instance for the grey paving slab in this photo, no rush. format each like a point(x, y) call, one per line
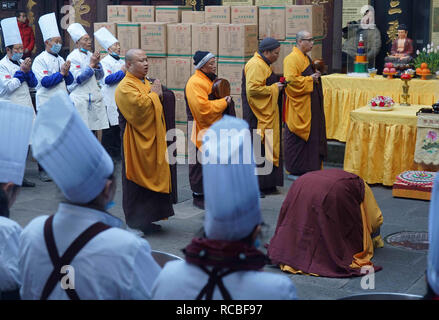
point(403, 269)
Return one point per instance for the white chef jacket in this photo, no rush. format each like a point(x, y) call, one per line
point(110, 66)
point(87, 96)
point(46, 64)
point(116, 264)
point(180, 280)
point(11, 89)
point(9, 241)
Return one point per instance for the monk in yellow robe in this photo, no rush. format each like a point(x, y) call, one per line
point(203, 112)
point(305, 132)
point(261, 104)
point(146, 175)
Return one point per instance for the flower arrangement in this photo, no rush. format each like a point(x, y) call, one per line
point(428, 55)
point(381, 102)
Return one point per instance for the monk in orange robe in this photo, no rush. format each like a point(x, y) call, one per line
point(203, 112)
point(146, 175)
point(305, 132)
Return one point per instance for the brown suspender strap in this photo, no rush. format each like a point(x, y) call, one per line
point(68, 256)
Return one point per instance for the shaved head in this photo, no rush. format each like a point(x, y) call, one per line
point(136, 62)
point(132, 53)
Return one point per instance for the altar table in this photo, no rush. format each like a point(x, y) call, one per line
point(343, 94)
point(381, 144)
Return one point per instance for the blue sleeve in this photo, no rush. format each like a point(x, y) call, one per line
point(53, 80)
point(69, 79)
point(99, 72)
point(114, 78)
point(84, 76)
point(31, 79)
point(20, 75)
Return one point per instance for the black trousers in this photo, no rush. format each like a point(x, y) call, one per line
point(111, 141)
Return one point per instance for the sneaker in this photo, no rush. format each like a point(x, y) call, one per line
point(27, 184)
point(44, 177)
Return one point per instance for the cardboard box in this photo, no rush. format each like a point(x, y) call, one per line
point(285, 49)
point(128, 35)
point(273, 2)
point(118, 14)
point(192, 17)
point(299, 18)
point(179, 40)
point(272, 22)
point(142, 13)
point(178, 72)
point(205, 38)
point(317, 50)
point(232, 71)
point(238, 105)
point(153, 38)
point(238, 2)
point(237, 41)
point(111, 26)
point(180, 107)
point(157, 69)
point(245, 14)
point(170, 14)
point(217, 14)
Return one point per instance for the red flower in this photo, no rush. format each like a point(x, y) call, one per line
point(374, 104)
point(382, 104)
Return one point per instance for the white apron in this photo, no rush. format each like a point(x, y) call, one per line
point(110, 66)
point(89, 101)
point(87, 96)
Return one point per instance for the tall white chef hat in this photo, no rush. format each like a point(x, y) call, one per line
point(15, 130)
point(68, 150)
point(231, 189)
point(49, 26)
point(105, 38)
point(76, 31)
point(11, 32)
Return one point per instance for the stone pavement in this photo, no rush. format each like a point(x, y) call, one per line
point(403, 269)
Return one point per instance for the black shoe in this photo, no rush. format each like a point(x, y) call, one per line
point(261, 194)
point(27, 184)
point(44, 177)
point(152, 228)
point(199, 202)
point(272, 190)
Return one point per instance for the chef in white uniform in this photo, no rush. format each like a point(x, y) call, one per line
point(15, 130)
point(52, 72)
point(16, 76)
point(87, 71)
point(116, 264)
point(50, 69)
point(114, 72)
point(216, 267)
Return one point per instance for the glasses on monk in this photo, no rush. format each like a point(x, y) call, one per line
point(308, 39)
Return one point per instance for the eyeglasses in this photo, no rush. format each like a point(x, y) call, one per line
point(309, 39)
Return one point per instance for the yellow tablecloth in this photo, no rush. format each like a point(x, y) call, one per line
point(381, 144)
point(342, 94)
